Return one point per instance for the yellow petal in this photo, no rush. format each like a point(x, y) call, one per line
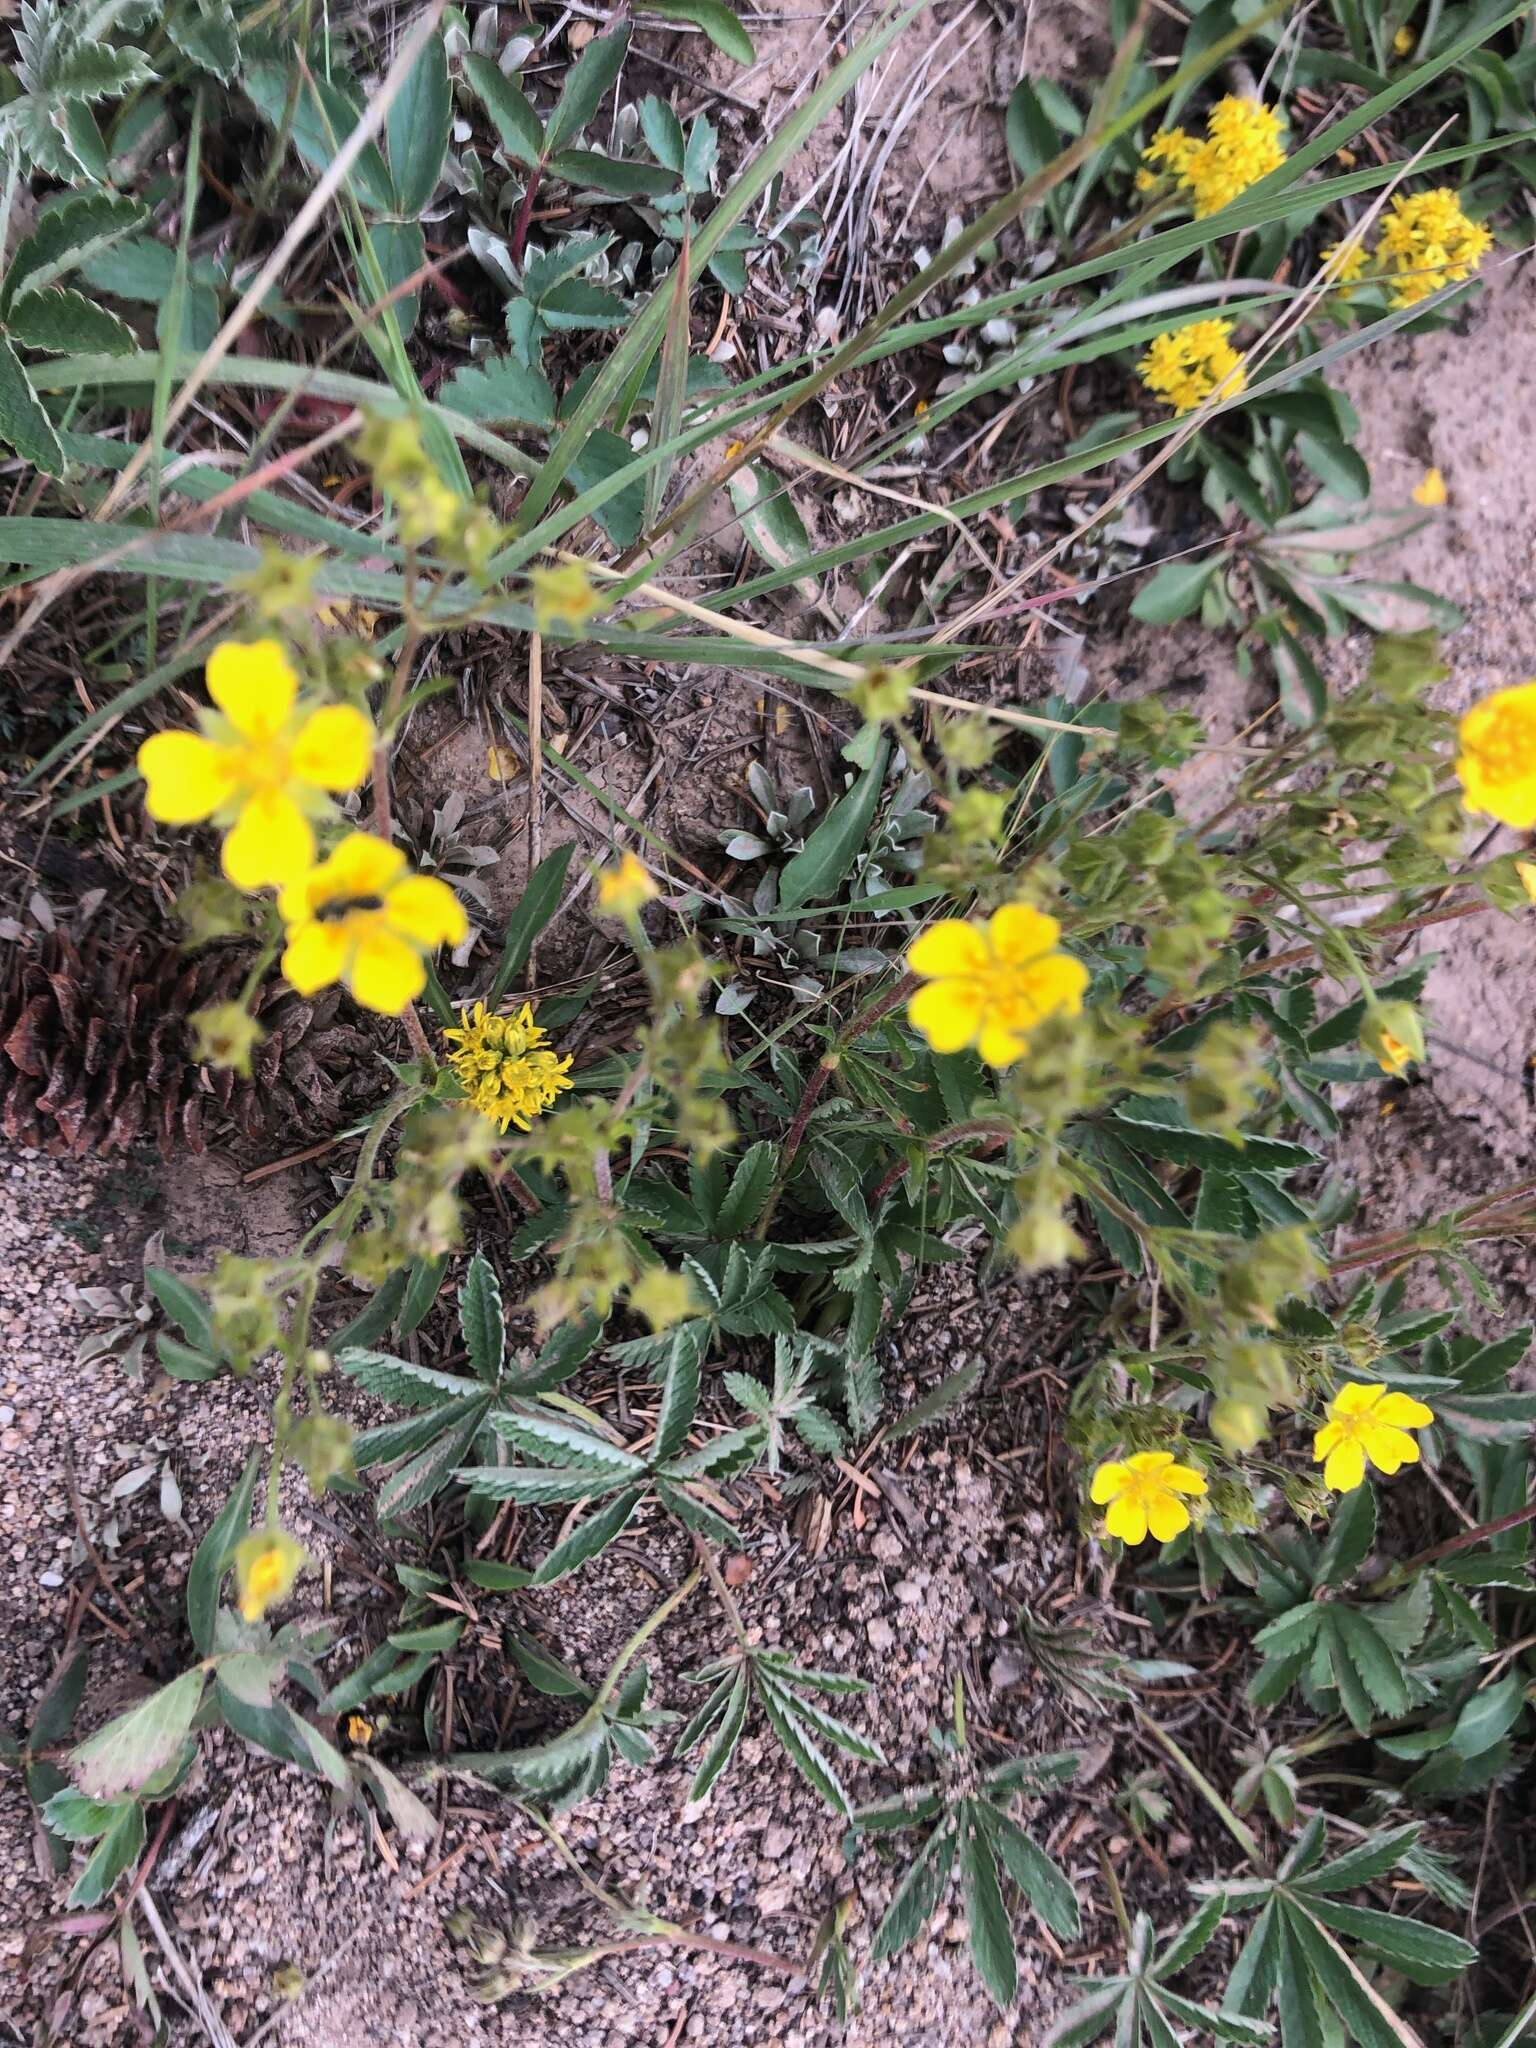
point(1019, 933)
point(949, 947)
point(314, 956)
point(1390, 1449)
point(1402, 1411)
point(1330, 1434)
point(1184, 1479)
point(946, 1013)
point(333, 748)
point(1354, 1397)
point(362, 865)
point(1150, 1461)
point(1167, 1517)
point(254, 685)
point(385, 973)
point(271, 844)
point(188, 777)
point(1109, 1481)
point(1430, 489)
point(1057, 983)
point(1127, 1519)
point(1345, 1468)
point(425, 910)
point(1000, 1047)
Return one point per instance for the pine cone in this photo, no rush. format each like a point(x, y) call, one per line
point(95, 1053)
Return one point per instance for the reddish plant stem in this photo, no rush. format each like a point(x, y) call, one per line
point(519, 240)
point(1467, 1539)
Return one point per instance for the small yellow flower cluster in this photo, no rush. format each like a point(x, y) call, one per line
point(1426, 241)
point(505, 1066)
point(1147, 1494)
point(264, 767)
point(990, 985)
point(1187, 366)
point(1240, 146)
point(1497, 763)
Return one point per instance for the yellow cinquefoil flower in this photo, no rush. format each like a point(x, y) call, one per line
point(1427, 241)
point(363, 918)
point(266, 1564)
point(262, 765)
point(505, 1066)
point(1187, 365)
point(625, 890)
point(1497, 763)
point(1146, 1493)
point(1241, 145)
point(990, 985)
point(1367, 1422)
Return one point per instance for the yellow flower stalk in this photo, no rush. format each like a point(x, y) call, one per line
point(1497, 763)
point(1187, 365)
point(364, 919)
point(263, 766)
point(1241, 145)
point(1145, 1495)
point(1368, 1422)
point(266, 1564)
point(1427, 241)
point(989, 985)
point(624, 891)
point(505, 1066)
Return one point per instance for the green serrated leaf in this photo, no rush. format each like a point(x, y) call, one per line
point(131, 1749)
point(481, 1319)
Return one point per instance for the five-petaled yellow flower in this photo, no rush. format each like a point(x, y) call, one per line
point(505, 1066)
point(1497, 763)
point(1145, 1494)
point(363, 918)
point(262, 765)
point(625, 890)
point(989, 985)
point(1367, 1422)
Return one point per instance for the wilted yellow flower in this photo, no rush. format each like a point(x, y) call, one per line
point(225, 1035)
point(1367, 1422)
point(1392, 1055)
point(1430, 489)
point(359, 1731)
point(625, 890)
point(563, 595)
point(363, 918)
point(662, 1297)
point(1497, 763)
point(1187, 365)
point(505, 1066)
point(262, 765)
point(1146, 1494)
point(885, 689)
point(1404, 40)
point(990, 985)
point(1426, 242)
point(266, 1564)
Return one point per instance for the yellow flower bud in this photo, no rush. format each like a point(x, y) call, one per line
point(623, 891)
point(563, 596)
point(266, 1564)
point(225, 1035)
